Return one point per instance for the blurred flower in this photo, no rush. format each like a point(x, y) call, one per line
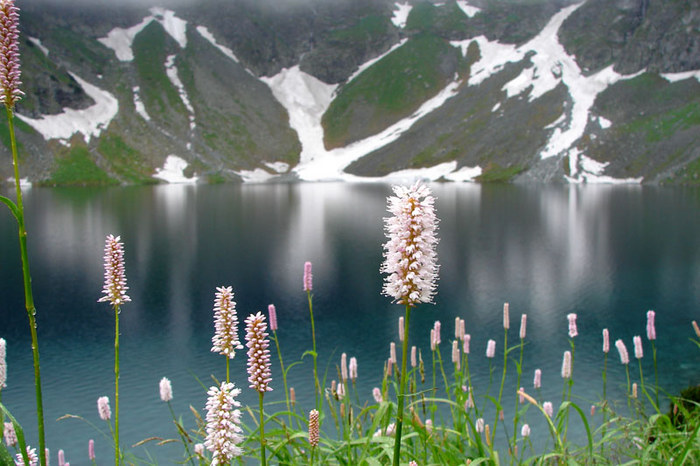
point(491, 349)
point(401, 328)
point(115, 280)
point(480, 425)
point(506, 316)
point(634, 390)
point(377, 394)
point(103, 408)
point(622, 349)
point(91, 450)
point(166, 390)
point(225, 340)
point(272, 315)
point(313, 428)
point(61, 458)
point(537, 382)
point(344, 367)
point(525, 431)
point(651, 327)
point(465, 344)
point(638, 351)
point(606, 341)
point(414, 361)
point(429, 426)
point(31, 453)
point(392, 352)
point(308, 277)
point(292, 395)
point(9, 434)
point(573, 330)
point(199, 449)
point(223, 423)
point(548, 408)
point(566, 365)
point(3, 364)
point(521, 397)
point(410, 257)
point(696, 328)
point(258, 353)
point(10, 70)
point(523, 326)
point(353, 368)
point(455, 354)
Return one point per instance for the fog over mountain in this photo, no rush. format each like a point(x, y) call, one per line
point(252, 90)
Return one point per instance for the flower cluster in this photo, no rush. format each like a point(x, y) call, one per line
point(258, 353)
point(3, 364)
point(223, 423)
point(103, 408)
point(225, 340)
point(313, 428)
point(410, 259)
point(9, 54)
point(115, 280)
point(31, 454)
point(166, 389)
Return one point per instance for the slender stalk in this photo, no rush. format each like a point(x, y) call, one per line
point(284, 375)
point(180, 430)
point(262, 430)
point(656, 375)
point(117, 456)
point(503, 381)
point(313, 340)
point(402, 389)
point(28, 295)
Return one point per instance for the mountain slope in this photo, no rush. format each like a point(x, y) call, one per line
point(497, 90)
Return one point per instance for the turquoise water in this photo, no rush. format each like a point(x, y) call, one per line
point(607, 253)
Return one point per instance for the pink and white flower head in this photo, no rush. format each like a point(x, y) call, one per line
point(9, 434)
point(566, 365)
point(31, 454)
point(91, 450)
point(61, 458)
point(115, 279)
point(523, 326)
point(437, 326)
point(651, 326)
point(223, 423)
point(313, 428)
point(506, 316)
point(414, 356)
point(410, 257)
point(606, 341)
point(392, 352)
point(638, 351)
point(622, 350)
point(308, 277)
point(258, 353)
point(548, 408)
point(537, 382)
point(456, 356)
point(272, 315)
point(199, 449)
point(10, 71)
point(3, 364)
point(103, 408)
point(166, 389)
point(696, 329)
point(401, 328)
point(225, 340)
point(465, 343)
point(353, 368)
point(377, 394)
point(491, 349)
point(479, 425)
point(344, 367)
point(525, 431)
point(573, 330)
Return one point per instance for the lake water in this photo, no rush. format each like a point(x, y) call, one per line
point(607, 253)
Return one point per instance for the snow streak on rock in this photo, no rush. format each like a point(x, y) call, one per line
point(38, 43)
point(204, 32)
point(138, 104)
point(468, 10)
point(171, 71)
point(173, 171)
point(89, 122)
point(401, 14)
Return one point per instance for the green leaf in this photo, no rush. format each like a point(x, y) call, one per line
point(12, 206)
point(20, 434)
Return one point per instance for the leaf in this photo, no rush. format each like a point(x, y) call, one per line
point(11, 205)
point(20, 434)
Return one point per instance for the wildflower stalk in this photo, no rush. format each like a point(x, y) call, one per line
point(402, 388)
point(116, 385)
point(262, 429)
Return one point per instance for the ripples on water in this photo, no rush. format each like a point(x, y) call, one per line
point(607, 253)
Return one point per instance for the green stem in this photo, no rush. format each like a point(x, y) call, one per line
point(656, 376)
point(262, 430)
point(503, 381)
point(117, 456)
point(28, 295)
point(284, 377)
point(185, 441)
point(313, 341)
point(402, 389)
point(227, 369)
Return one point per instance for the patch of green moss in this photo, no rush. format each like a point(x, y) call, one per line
point(494, 173)
point(124, 160)
point(689, 175)
point(77, 168)
point(367, 27)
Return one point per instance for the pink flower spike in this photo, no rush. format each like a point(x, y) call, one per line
point(353, 368)
point(9, 434)
point(410, 258)
point(523, 326)
point(414, 360)
point(31, 454)
point(91, 450)
point(537, 382)
point(377, 394)
point(479, 425)
point(525, 431)
point(392, 352)
point(3, 364)
point(313, 428)
point(308, 277)
point(432, 339)
point(103, 408)
point(115, 280)
point(465, 343)
point(225, 340)
point(258, 353)
point(548, 408)
point(9, 54)
point(638, 352)
point(166, 390)
point(456, 357)
point(401, 328)
point(506, 316)
point(491, 349)
point(272, 315)
point(344, 367)
point(223, 420)
point(521, 396)
point(437, 326)
point(573, 330)
point(651, 327)
point(566, 365)
point(696, 328)
point(622, 349)
point(61, 458)
point(606, 341)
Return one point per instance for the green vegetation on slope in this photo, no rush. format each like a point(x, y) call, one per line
point(445, 20)
point(76, 167)
point(125, 161)
point(390, 90)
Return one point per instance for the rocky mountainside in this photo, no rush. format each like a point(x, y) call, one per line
point(482, 90)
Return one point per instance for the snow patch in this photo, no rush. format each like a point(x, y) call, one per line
point(90, 122)
point(496, 107)
point(121, 40)
point(173, 171)
point(401, 14)
point(204, 32)
point(604, 122)
point(584, 169)
point(138, 103)
point(425, 174)
point(468, 10)
point(464, 174)
point(37, 42)
point(171, 71)
point(23, 182)
point(278, 167)
point(673, 77)
point(371, 62)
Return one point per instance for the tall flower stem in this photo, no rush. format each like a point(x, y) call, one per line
point(117, 456)
point(402, 388)
point(317, 386)
point(28, 295)
point(284, 376)
point(262, 430)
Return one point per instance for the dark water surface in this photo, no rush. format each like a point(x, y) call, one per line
point(607, 253)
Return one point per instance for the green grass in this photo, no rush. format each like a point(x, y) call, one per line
point(365, 29)
point(77, 168)
point(494, 173)
point(124, 160)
